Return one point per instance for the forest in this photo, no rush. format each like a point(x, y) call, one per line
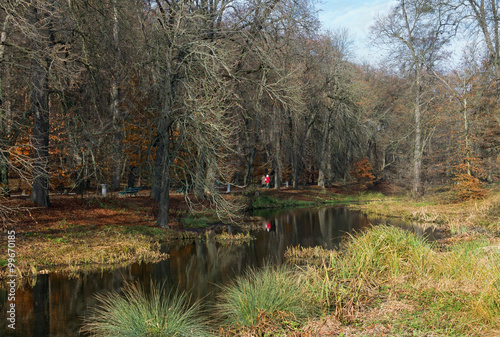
point(195, 94)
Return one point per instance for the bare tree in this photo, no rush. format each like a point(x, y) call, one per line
point(416, 32)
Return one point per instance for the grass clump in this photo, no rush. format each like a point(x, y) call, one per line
point(470, 273)
point(138, 313)
point(387, 251)
point(238, 238)
point(271, 299)
point(451, 290)
point(346, 281)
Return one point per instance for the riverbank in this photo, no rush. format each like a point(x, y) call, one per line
point(395, 285)
point(389, 282)
point(93, 232)
point(88, 233)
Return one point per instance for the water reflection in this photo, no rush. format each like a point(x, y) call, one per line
point(55, 305)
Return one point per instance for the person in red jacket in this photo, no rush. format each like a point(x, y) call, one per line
point(267, 180)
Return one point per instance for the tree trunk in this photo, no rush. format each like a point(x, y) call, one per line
point(156, 185)
point(249, 166)
point(4, 174)
point(162, 178)
point(321, 177)
point(322, 158)
point(40, 135)
point(40, 109)
point(277, 154)
point(199, 177)
point(115, 107)
point(4, 127)
point(132, 175)
point(417, 155)
point(295, 166)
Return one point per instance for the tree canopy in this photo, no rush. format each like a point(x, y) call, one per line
point(192, 94)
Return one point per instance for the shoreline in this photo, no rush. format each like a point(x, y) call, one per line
point(67, 236)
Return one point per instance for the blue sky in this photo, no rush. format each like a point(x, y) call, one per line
point(357, 16)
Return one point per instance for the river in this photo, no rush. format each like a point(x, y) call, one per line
point(54, 304)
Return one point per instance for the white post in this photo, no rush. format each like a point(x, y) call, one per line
point(228, 187)
point(104, 189)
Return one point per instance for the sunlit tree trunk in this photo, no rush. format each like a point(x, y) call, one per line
point(417, 154)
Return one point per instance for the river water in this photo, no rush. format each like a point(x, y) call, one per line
point(55, 304)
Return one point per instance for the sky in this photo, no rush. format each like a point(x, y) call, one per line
point(357, 16)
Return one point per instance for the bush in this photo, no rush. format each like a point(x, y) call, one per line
point(468, 187)
point(363, 173)
point(137, 313)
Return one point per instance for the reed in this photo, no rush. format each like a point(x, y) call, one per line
point(138, 313)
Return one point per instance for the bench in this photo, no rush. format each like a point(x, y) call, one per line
point(130, 190)
point(184, 189)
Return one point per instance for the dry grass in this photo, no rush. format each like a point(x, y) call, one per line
point(387, 281)
point(97, 248)
point(437, 209)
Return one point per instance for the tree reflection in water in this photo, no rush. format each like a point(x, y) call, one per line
point(55, 305)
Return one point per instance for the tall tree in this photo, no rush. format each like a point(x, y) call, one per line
point(190, 71)
point(416, 32)
point(42, 21)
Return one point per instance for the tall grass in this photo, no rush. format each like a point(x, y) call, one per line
point(137, 313)
point(385, 252)
point(470, 270)
point(346, 281)
point(456, 290)
point(272, 294)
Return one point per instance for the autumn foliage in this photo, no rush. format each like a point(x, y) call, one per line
point(468, 187)
point(362, 172)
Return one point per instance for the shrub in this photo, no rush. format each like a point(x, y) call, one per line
point(468, 187)
point(363, 173)
point(137, 313)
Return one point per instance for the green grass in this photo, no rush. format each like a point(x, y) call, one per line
point(271, 296)
point(138, 313)
point(200, 219)
point(387, 251)
point(154, 232)
point(265, 201)
point(191, 222)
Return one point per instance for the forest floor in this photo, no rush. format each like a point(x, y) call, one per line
point(77, 233)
